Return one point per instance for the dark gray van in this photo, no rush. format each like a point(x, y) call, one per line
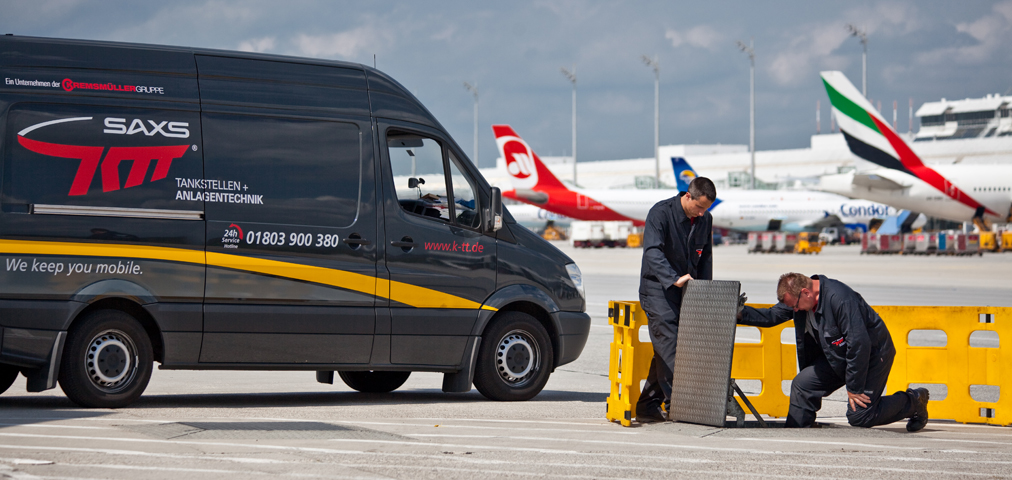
point(220, 210)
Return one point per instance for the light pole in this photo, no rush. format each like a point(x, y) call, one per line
point(751, 105)
point(474, 90)
point(863, 35)
point(655, 64)
point(571, 75)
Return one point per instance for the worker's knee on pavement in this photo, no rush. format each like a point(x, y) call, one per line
point(861, 418)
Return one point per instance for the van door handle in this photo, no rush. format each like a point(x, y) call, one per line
point(406, 243)
point(356, 240)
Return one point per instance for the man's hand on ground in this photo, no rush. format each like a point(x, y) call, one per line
point(859, 399)
point(683, 280)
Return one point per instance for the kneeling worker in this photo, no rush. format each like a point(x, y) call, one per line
point(841, 342)
point(677, 246)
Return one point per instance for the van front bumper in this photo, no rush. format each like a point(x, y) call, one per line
point(574, 329)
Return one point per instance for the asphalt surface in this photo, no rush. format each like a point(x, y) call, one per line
point(283, 424)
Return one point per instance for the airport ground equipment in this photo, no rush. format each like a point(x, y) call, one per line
point(1006, 240)
point(587, 234)
point(909, 242)
point(869, 242)
point(964, 370)
point(753, 242)
point(988, 242)
point(926, 243)
point(809, 242)
point(634, 240)
point(891, 243)
point(784, 242)
point(766, 241)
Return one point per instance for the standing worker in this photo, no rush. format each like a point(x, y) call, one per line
point(841, 342)
point(677, 247)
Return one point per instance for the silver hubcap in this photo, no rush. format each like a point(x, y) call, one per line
point(111, 361)
point(516, 357)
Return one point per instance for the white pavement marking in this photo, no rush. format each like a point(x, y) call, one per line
point(486, 427)
point(211, 470)
point(1007, 444)
point(39, 425)
point(25, 461)
point(823, 442)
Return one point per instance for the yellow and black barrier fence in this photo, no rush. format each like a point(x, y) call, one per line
point(961, 368)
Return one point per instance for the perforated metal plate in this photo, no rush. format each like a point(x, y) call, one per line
point(702, 370)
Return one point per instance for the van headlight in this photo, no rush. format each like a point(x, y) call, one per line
point(576, 277)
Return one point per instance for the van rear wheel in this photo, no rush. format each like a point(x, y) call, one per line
point(374, 382)
point(107, 361)
point(8, 374)
point(515, 358)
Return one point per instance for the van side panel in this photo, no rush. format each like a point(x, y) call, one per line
point(291, 224)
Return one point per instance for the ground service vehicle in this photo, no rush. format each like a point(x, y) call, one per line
point(219, 210)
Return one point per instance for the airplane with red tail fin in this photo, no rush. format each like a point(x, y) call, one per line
point(751, 210)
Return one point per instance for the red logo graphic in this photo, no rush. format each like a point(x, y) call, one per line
point(838, 342)
point(699, 251)
point(519, 159)
point(91, 158)
point(237, 228)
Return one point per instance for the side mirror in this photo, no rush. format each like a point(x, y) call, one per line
point(495, 210)
point(415, 182)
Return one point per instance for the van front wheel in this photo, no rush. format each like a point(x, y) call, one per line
point(515, 358)
point(107, 361)
point(8, 374)
point(374, 382)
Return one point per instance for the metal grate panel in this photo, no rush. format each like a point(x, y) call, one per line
point(702, 370)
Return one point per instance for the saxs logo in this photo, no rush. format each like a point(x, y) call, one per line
point(109, 159)
point(519, 161)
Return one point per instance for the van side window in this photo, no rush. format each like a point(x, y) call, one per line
point(424, 185)
point(465, 203)
point(281, 170)
point(419, 176)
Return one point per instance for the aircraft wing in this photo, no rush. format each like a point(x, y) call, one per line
point(871, 180)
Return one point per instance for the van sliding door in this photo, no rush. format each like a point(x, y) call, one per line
point(291, 228)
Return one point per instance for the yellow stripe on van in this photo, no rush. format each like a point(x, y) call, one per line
point(23, 247)
point(413, 295)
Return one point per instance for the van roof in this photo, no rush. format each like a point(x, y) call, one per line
point(25, 51)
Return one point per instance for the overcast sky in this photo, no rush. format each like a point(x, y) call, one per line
point(923, 50)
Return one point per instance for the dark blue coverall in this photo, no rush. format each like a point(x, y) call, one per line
point(673, 245)
point(850, 346)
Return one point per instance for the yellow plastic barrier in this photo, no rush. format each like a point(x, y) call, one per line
point(957, 365)
point(770, 362)
point(629, 362)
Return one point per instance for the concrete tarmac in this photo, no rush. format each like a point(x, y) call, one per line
point(284, 424)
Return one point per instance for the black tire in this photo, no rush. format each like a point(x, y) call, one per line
point(374, 382)
point(515, 358)
point(115, 342)
point(8, 374)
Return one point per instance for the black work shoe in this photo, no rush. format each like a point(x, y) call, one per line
point(651, 415)
point(919, 398)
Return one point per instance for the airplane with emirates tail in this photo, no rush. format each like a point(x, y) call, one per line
point(960, 193)
point(751, 210)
